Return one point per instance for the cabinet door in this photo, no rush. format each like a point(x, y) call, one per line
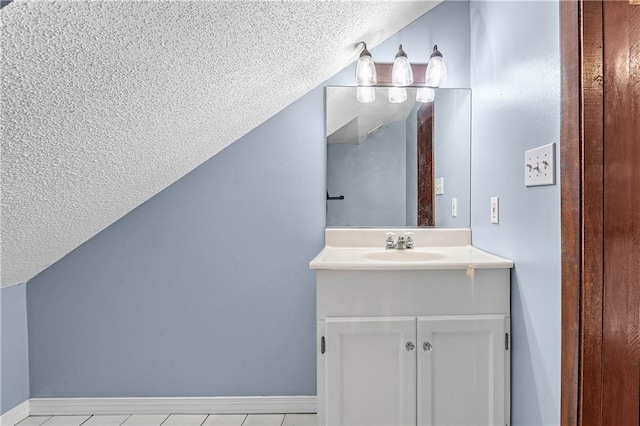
point(370, 371)
point(461, 370)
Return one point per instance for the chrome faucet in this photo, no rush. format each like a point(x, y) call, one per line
point(403, 242)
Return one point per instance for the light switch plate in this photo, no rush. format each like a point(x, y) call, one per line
point(540, 166)
point(440, 186)
point(454, 207)
point(494, 210)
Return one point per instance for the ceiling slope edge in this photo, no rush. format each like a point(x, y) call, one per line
point(106, 103)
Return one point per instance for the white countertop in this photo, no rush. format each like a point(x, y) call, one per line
point(363, 249)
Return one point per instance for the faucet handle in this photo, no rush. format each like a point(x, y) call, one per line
point(409, 239)
point(390, 243)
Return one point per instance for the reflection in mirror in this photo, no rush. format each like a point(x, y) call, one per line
point(385, 161)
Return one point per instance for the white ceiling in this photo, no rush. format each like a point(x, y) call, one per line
point(106, 103)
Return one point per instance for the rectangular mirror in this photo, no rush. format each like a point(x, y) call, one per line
point(398, 164)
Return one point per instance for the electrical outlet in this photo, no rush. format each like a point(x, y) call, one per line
point(454, 207)
point(439, 186)
point(494, 210)
point(539, 166)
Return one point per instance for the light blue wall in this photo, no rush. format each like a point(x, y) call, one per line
point(447, 25)
point(14, 354)
point(205, 290)
point(516, 106)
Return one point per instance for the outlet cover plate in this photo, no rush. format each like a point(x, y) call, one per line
point(540, 166)
point(495, 210)
point(439, 186)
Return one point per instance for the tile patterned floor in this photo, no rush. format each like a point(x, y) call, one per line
point(175, 420)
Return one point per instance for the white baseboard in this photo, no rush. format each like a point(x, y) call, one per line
point(210, 405)
point(15, 415)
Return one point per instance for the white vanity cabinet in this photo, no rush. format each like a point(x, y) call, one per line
point(370, 377)
point(413, 347)
point(462, 370)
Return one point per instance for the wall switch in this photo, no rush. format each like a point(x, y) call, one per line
point(494, 209)
point(439, 186)
point(454, 207)
point(539, 166)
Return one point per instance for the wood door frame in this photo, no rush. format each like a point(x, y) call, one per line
point(572, 222)
point(426, 202)
point(582, 209)
point(583, 165)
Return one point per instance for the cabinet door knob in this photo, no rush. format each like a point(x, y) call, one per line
point(410, 346)
point(426, 346)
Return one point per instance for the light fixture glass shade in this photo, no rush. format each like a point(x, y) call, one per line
point(397, 95)
point(436, 74)
point(366, 94)
point(366, 69)
point(401, 74)
point(425, 94)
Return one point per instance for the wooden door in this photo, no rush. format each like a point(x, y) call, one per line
point(461, 370)
point(370, 371)
point(621, 305)
point(601, 212)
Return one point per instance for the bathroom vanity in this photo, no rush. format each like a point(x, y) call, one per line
point(411, 337)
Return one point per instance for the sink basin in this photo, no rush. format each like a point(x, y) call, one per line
point(404, 256)
point(362, 249)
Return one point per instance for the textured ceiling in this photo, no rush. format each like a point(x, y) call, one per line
point(106, 103)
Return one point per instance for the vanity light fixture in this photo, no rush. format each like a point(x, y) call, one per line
point(401, 74)
point(436, 74)
point(366, 69)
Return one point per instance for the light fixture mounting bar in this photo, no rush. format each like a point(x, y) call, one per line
point(384, 74)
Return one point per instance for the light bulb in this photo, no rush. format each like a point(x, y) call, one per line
point(397, 95)
point(366, 94)
point(436, 74)
point(366, 69)
point(425, 94)
point(401, 74)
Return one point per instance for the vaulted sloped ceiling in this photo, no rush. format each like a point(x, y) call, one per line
point(105, 103)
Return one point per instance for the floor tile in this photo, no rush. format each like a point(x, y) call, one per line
point(34, 421)
point(264, 420)
point(300, 420)
point(66, 420)
point(105, 421)
point(225, 420)
point(185, 420)
point(146, 420)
